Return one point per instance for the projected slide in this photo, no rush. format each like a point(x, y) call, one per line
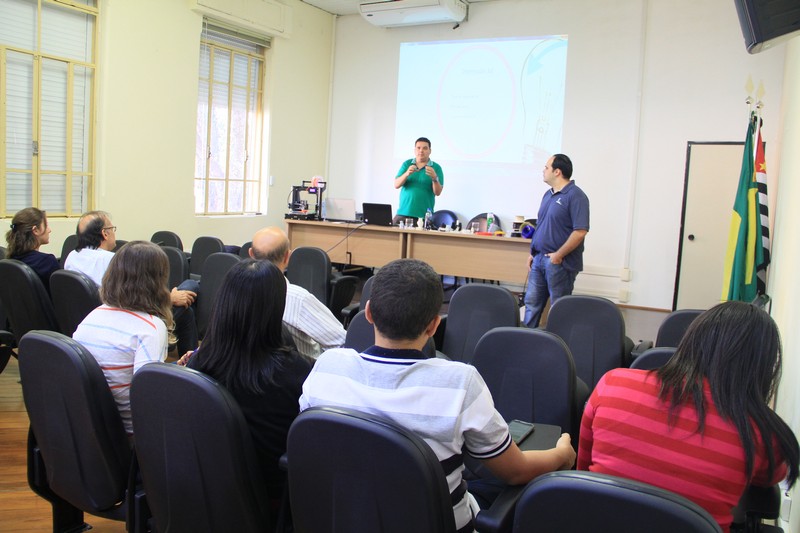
point(488, 101)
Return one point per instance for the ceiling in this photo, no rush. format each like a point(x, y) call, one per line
point(350, 7)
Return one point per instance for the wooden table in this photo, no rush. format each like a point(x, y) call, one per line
point(454, 254)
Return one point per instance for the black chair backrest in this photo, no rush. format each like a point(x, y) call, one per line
point(444, 217)
point(530, 374)
point(365, 472)
point(360, 335)
point(653, 358)
point(2, 252)
point(594, 330)
point(244, 251)
point(178, 266)
point(25, 299)
point(70, 243)
point(214, 270)
point(342, 290)
point(310, 268)
point(474, 309)
point(572, 502)
point(671, 330)
point(74, 296)
point(366, 291)
point(202, 248)
point(75, 423)
point(481, 220)
point(196, 455)
point(167, 238)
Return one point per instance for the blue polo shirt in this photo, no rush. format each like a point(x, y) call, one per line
point(560, 214)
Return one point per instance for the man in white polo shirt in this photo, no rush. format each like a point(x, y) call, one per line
point(97, 239)
point(311, 324)
point(445, 402)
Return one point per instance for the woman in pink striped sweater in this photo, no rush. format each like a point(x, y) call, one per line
point(700, 426)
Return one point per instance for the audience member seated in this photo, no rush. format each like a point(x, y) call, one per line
point(311, 324)
point(445, 402)
point(131, 328)
point(700, 425)
point(97, 239)
point(29, 230)
point(243, 351)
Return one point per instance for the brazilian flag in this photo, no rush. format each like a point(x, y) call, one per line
point(745, 250)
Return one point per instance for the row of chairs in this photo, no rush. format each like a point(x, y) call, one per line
point(196, 457)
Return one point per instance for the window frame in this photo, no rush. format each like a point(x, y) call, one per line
point(218, 39)
point(40, 189)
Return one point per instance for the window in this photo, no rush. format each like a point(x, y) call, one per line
point(47, 95)
point(229, 123)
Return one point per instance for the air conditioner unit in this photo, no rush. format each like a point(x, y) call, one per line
point(393, 13)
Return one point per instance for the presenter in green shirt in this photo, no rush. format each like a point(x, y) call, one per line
point(420, 181)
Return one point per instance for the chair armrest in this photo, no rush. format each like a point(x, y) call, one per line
point(640, 348)
point(348, 312)
point(499, 518)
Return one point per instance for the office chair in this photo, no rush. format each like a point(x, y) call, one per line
point(202, 248)
point(594, 330)
point(481, 220)
point(215, 267)
point(7, 341)
point(475, 309)
point(79, 458)
point(352, 310)
point(349, 471)
point(25, 299)
point(672, 329)
point(310, 268)
point(446, 218)
point(360, 335)
point(573, 502)
point(196, 454)
point(74, 296)
point(70, 243)
point(244, 251)
point(178, 266)
point(167, 238)
point(653, 358)
point(531, 376)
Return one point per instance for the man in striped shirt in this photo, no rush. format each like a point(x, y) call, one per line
point(445, 402)
point(311, 324)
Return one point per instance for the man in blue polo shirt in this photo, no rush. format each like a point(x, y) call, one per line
point(557, 246)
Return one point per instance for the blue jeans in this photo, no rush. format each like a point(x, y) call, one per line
point(545, 280)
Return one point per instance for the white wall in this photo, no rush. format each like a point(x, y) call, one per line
point(784, 284)
point(644, 78)
point(147, 108)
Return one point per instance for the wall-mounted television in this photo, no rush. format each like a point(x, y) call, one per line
point(766, 23)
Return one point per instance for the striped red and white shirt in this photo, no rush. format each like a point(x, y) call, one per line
point(625, 432)
point(122, 342)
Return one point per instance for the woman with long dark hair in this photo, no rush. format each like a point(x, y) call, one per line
point(243, 350)
point(701, 425)
point(134, 324)
point(30, 230)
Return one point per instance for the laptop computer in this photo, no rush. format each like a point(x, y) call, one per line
point(339, 209)
point(377, 214)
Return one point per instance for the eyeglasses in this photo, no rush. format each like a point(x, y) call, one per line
point(112, 228)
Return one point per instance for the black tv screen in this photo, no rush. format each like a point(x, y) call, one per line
point(766, 23)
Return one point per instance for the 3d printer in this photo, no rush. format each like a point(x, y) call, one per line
point(299, 206)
